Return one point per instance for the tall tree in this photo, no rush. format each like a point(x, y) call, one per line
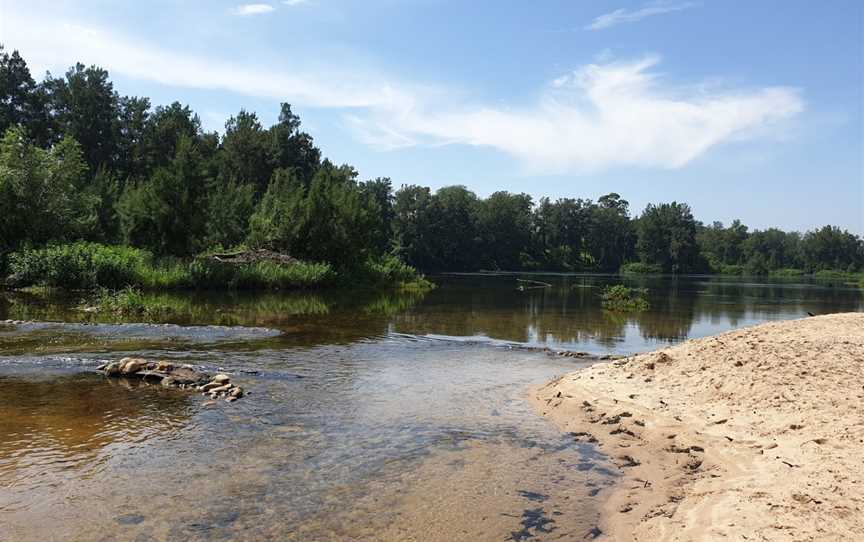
point(83, 105)
point(667, 237)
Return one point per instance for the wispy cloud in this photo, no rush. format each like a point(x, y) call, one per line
point(244, 10)
point(601, 115)
point(621, 16)
point(294, 2)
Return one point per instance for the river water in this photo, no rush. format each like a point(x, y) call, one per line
point(371, 416)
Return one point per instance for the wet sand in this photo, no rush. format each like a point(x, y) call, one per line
point(754, 434)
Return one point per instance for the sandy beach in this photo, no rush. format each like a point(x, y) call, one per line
point(755, 434)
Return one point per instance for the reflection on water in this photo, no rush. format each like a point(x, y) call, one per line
point(372, 416)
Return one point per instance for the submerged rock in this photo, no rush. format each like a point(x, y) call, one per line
point(169, 375)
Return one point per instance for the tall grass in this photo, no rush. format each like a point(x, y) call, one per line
point(89, 266)
point(640, 268)
point(623, 298)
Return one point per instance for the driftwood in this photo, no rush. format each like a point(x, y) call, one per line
point(536, 284)
point(253, 256)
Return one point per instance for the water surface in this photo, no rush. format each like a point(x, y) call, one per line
point(371, 416)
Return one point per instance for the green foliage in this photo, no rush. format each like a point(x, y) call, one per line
point(90, 266)
point(78, 266)
point(41, 196)
point(130, 302)
point(667, 237)
point(787, 272)
point(624, 298)
point(80, 162)
point(640, 268)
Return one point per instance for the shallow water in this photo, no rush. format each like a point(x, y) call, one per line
point(376, 417)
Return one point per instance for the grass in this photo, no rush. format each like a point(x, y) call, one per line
point(130, 302)
point(787, 272)
point(91, 266)
point(640, 268)
point(623, 298)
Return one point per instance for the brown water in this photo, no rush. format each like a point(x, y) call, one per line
point(372, 416)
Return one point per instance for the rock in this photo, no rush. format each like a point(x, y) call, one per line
point(221, 378)
point(132, 365)
point(230, 398)
point(236, 392)
point(164, 366)
point(220, 389)
point(211, 385)
point(169, 382)
point(112, 369)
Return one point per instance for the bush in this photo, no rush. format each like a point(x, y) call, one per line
point(640, 268)
point(729, 269)
point(390, 270)
point(78, 266)
point(787, 272)
point(130, 301)
point(623, 298)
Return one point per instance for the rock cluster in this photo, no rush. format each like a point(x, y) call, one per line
point(221, 386)
point(172, 375)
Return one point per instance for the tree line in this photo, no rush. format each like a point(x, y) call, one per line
point(78, 161)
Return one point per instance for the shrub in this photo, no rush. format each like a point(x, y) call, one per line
point(78, 266)
point(787, 272)
point(640, 268)
point(130, 301)
point(623, 298)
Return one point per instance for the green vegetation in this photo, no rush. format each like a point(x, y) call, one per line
point(639, 268)
point(624, 298)
point(130, 302)
point(80, 164)
point(787, 272)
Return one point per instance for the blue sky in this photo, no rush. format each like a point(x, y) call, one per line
point(743, 109)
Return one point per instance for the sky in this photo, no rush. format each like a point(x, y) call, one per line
point(742, 109)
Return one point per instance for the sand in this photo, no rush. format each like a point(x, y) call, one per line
point(755, 434)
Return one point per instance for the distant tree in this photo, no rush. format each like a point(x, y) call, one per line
point(245, 157)
point(42, 195)
point(84, 105)
point(164, 130)
point(166, 213)
point(22, 101)
point(377, 196)
point(412, 231)
point(505, 225)
point(667, 237)
point(292, 149)
point(611, 237)
point(277, 218)
point(230, 206)
point(830, 247)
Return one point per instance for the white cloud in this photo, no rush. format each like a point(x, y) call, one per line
point(55, 45)
point(620, 16)
point(245, 10)
point(602, 115)
point(294, 2)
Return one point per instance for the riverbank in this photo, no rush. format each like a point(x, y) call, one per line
point(752, 434)
point(91, 266)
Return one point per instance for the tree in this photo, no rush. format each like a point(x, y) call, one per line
point(667, 237)
point(829, 247)
point(505, 228)
point(84, 105)
point(245, 157)
point(22, 102)
point(166, 213)
point(292, 149)
point(42, 196)
point(611, 239)
point(377, 196)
